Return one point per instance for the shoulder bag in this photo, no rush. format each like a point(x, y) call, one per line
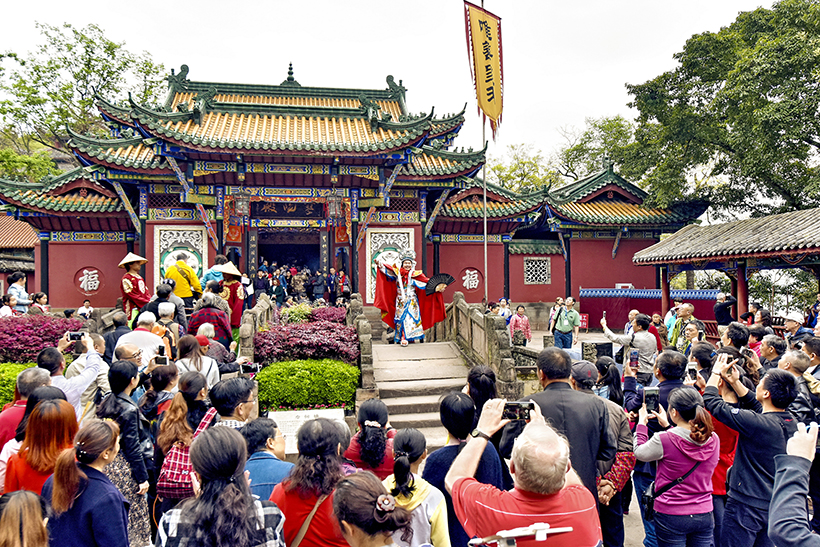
point(649, 497)
point(305, 525)
point(174, 481)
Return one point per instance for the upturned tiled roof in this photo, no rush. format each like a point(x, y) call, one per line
point(586, 186)
point(16, 234)
point(136, 152)
point(784, 234)
point(473, 206)
point(49, 195)
point(606, 212)
point(440, 163)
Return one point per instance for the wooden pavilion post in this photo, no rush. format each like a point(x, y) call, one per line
point(665, 292)
point(742, 289)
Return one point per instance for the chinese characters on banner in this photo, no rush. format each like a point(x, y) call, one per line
point(486, 66)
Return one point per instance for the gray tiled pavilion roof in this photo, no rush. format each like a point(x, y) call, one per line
point(784, 234)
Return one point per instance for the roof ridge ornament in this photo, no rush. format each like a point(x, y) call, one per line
point(179, 82)
point(371, 110)
point(290, 81)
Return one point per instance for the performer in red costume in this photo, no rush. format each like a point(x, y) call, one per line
point(234, 294)
point(134, 292)
point(405, 305)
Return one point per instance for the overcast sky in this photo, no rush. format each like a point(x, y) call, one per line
point(563, 61)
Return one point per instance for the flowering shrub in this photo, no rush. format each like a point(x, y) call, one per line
point(300, 313)
point(307, 383)
point(334, 315)
point(8, 380)
point(22, 337)
point(318, 340)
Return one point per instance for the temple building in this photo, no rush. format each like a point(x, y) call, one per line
point(319, 177)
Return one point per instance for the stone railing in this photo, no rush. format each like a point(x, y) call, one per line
point(253, 320)
point(356, 318)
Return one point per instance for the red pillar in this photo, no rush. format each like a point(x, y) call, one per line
point(742, 289)
point(734, 293)
point(665, 299)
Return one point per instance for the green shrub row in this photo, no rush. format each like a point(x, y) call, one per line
point(308, 382)
point(8, 380)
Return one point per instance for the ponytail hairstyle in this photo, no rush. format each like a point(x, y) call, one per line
point(223, 514)
point(481, 380)
point(373, 419)
point(50, 429)
point(610, 377)
point(689, 404)
point(175, 426)
point(161, 378)
point(408, 446)
point(22, 516)
point(361, 500)
point(94, 438)
point(42, 393)
point(120, 376)
point(7, 299)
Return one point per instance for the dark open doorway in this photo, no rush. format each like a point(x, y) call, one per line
point(299, 248)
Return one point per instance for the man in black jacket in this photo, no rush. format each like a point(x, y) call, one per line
point(582, 419)
point(120, 327)
point(764, 425)
point(723, 310)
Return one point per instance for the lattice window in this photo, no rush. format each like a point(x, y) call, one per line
point(163, 200)
point(537, 270)
point(404, 204)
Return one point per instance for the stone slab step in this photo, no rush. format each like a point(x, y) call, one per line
point(411, 388)
point(434, 350)
point(418, 403)
point(416, 420)
point(413, 363)
point(436, 437)
point(420, 371)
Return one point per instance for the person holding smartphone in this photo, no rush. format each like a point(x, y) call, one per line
point(640, 339)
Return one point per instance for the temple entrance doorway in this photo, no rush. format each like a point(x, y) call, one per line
point(298, 249)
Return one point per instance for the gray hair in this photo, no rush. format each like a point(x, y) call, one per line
point(776, 343)
point(720, 296)
point(206, 330)
point(146, 319)
point(166, 309)
point(208, 299)
point(541, 457)
point(800, 362)
point(30, 379)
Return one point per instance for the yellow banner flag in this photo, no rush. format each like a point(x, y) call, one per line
point(486, 65)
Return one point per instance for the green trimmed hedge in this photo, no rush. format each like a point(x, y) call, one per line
point(307, 383)
point(8, 380)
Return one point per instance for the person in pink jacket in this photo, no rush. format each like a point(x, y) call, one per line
point(521, 322)
point(691, 449)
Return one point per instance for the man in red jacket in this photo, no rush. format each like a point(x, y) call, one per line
point(27, 381)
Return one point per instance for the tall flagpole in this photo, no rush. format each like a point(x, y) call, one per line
point(484, 180)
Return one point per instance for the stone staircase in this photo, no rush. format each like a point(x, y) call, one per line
point(377, 327)
point(411, 381)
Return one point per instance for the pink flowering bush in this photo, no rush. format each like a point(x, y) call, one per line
point(334, 315)
point(22, 337)
point(316, 340)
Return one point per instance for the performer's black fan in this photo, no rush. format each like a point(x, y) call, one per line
point(437, 280)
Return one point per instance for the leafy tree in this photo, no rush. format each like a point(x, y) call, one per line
point(54, 87)
point(31, 167)
point(521, 168)
point(738, 118)
point(586, 151)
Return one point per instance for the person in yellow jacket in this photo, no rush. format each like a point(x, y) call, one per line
point(187, 282)
point(425, 502)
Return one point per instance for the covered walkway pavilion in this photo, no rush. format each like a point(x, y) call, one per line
point(739, 249)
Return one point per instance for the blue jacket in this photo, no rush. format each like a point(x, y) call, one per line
point(99, 516)
point(266, 471)
point(210, 275)
point(22, 297)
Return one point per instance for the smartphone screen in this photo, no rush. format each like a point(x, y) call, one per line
point(651, 397)
point(693, 373)
point(517, 410)
point(633, 358)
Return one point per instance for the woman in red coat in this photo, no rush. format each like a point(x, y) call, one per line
point(234, 294)
point(371, 449)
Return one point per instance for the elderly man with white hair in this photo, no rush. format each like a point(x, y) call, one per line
point(723, 311)
point(142, 337)
point(547, 489)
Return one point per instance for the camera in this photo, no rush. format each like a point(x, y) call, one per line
point(692, 371)
point(75, 336)
point(517, 410)
point(161, 359)
point(633, 359)
point(652, 399)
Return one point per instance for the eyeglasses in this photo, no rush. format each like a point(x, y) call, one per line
point(137, 354)
point(248, 402)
